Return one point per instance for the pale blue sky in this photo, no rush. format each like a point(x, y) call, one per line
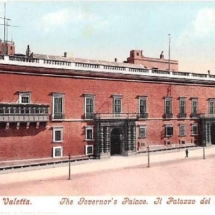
point(105, 30)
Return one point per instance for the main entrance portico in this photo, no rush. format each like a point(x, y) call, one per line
point(207, 123)
point(115, 136)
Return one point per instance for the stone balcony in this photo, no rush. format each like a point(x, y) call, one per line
point(182, 115)
point(168, 115)
point(115, 116)
point(142, 115)
point(23, 113)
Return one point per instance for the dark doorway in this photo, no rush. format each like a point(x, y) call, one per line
point(213, 133)
point(115, 141)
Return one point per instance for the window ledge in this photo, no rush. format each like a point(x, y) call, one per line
point(90, 140)
point(57, 120)
point(141, 137)
point(57, 141)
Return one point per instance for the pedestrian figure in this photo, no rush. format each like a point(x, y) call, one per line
point(186, 152)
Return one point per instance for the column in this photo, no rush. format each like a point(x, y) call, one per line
point(101, 137)
point(97, 141)
point(106, 139)
point(133, 138)
point(204, 132)
point(209, 133)
point(129, 138)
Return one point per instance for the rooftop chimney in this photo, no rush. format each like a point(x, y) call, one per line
point(115, 59)
point(162, 55)
point(28, 51)
point(65, 54)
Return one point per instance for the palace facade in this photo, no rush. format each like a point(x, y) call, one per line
point(51, 106)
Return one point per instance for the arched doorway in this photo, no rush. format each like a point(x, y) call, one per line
point(115, 141)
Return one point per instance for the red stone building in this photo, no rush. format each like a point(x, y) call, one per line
point(51, 106)
point(136, 57)
point(7, 48)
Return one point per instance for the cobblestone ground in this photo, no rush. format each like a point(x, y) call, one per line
point(186, 177)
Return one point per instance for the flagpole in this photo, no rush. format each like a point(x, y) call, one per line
point(169, 50)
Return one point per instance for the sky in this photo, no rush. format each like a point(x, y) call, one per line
point(106, 30)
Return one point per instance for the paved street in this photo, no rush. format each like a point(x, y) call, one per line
point(169, 174)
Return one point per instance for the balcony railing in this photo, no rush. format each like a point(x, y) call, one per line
point(142, 115)
point(116, 116)
point(206, 115)
point(89, 115)
point(194, 115)
point(104, 66)
point(24, 59)
point(182, 115)
point(23, 113)
point(58, 116)
point(168, 115)
point(161, 72)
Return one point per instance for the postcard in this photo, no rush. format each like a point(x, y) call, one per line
point(107, 107)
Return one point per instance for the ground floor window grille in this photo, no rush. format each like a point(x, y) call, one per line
point(57, 152)
point(142, 132)
point(89, 133)
point(194, 129)
point(182, 130)
point(168, 130)
point(57, 134)
point(182, 141)
point(89, 149)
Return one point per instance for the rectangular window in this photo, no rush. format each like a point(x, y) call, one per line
point(58, 106)
point(194, 106)
point(168, 130)
point(24, 97)
point(194, 129)
point(89, 133)
point(142, 103)
point(168, 107)
point(211, 106)
point(57, 152)
point(89, 107)
point(57, 134)
point(143, 107)
point(167, 142)
point(182, 130)
point(89, 149)
point(117, 105)
point(25, 100)
point(142, 132)
point(182, 107)
point(182, 141)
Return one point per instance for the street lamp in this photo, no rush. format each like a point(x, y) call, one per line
point(148, 157)
point(203, 151)
point(69, 167)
